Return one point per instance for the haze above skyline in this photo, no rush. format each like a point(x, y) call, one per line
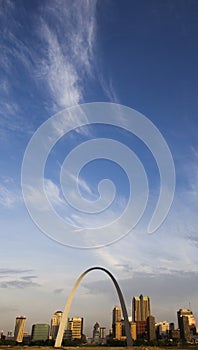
point(57, 54)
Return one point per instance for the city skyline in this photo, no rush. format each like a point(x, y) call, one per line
point(141, 55)
point(114, 316)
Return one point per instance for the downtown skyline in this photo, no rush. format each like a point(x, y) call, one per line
point(110, 318)
point(57, 54)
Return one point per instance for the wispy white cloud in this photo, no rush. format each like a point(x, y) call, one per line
point(68, 57)
point(16, 55)
point(10, 110)
point(37, 199)
point(108, 88)
point(53, 193)
point(56, 62)
point(172, 248)
point(59, 73)
point(76, 30)
point(70, 213)
point(81, 183)
point(9, 194)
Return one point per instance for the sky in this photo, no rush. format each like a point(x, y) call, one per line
point(57, 55)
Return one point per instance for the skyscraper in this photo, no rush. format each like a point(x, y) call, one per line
point(116, 314)
point(136, 313)
point(184, 327)
point(150, 325)
point(40, 331)
point(116, 322)
point(75, 325)
point(55, 322)
point(102, 335)
point(19, 328)
point(99, 334)
point(96, 333)
point(186, 323)
point(140, 308)
point(189, 314)
point(144, 307)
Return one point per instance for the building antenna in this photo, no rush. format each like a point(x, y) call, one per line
point(189, 306)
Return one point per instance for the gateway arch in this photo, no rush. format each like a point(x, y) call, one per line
point(64, 319)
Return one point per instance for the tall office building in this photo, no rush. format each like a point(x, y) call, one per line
point(189, 314)
point(116, 314)
point(96, 333)
point(116, 322)
point(150, 325)
point(140, 308)
point(145, 307)
point(186, 323)
point(19, 328)
point(136, 313)
point(75, 325)
point(184, 327)
point(99, 334)
point(40, 331)
point(102, 335)
point(55, 322)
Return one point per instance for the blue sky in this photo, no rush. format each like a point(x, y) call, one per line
point(58, 54)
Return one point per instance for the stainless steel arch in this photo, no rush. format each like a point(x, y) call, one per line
point(69, 301)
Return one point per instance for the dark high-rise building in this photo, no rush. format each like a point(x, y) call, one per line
point(184, 328)
point(186, 320)
point(171, 326)
point(40, 331)
point(136, 313)
point(189, 314)
point(141, 329)
point(140, 308)
point(150, 325)
point(191, 320)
